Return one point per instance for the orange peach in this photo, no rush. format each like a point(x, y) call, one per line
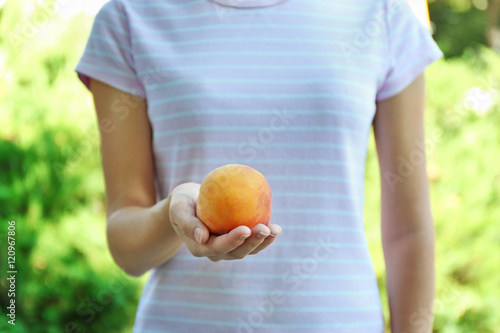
point(234, 195)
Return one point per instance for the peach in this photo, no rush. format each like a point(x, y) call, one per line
point(234, 195)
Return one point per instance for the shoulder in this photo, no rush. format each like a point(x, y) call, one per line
point(115, 14)
point(112, 4)
point(111, 8)
point(146, 5)
point(132, 9)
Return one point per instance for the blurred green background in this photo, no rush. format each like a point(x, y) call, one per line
point(51, 183)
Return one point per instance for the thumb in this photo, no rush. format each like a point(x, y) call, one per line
point(183, 218)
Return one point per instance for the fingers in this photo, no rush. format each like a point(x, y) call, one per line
point(239, 243)
point(183, 219)
point(275, 232)
point(259, 235)
point(223, 244)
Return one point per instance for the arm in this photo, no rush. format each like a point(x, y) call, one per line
point(138, 236)
point(142, 233)
point(407, 224)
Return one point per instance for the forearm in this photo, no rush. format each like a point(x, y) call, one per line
point(410, 280)
point(142, 238)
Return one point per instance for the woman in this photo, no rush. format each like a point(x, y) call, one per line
point(291, 88)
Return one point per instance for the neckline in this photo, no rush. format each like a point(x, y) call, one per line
point(248, 3)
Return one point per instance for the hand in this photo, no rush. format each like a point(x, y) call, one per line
point(236, 244)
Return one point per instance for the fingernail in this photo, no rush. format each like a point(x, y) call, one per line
point(198, 233)
point(262, 235)
point(243, 237)
point(279, 233)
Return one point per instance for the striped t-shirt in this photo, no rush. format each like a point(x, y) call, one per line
point(287, 87)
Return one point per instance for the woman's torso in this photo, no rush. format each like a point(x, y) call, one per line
point(290, 90)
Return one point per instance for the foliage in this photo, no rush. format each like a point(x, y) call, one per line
point(51, 184)
point(458, 25)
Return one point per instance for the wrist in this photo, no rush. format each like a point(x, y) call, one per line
point(161, 218)
point(160, 211)
point(163, 241)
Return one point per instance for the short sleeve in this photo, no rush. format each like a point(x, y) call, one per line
point(108, 55)
point(411, 49)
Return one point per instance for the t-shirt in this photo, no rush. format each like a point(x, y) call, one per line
point(289, 88)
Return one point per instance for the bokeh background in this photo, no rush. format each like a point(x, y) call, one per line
point(51, 182)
